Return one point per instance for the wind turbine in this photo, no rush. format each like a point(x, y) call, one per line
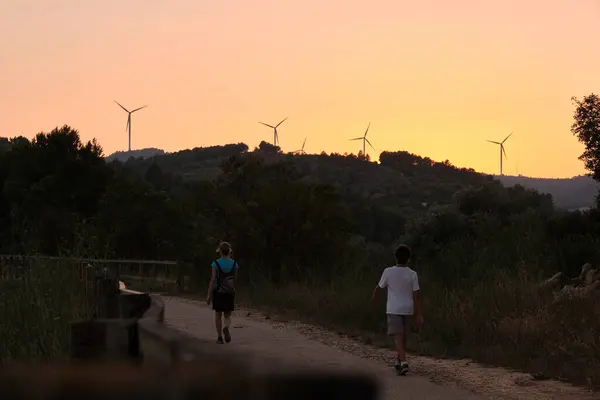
point(502, 151)
point(301, 151)
point(275, 135)
point(128, 126)
point(365, 141)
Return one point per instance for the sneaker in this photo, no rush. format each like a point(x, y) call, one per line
point(403, 368)
point(219, 340)
point(227, 335)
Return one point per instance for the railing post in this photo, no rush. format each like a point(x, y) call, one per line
point(180, 278)
point(107, 297)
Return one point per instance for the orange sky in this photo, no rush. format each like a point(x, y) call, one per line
point(434, 77)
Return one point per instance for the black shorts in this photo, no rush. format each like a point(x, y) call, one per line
point(223, 302)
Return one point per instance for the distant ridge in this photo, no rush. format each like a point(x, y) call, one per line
point(123, 156)
point(393, 181)
point(568, 193)
point(578, 192)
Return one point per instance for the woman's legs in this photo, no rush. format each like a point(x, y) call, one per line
point(227, 323)
point(218, 324)
point(227, 319)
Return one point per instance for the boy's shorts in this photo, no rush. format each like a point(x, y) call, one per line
point(397, 324)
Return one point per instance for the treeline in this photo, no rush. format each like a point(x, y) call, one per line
point(284, 212)
point(58, 195)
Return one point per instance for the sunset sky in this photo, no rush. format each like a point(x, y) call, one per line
point(434, 77)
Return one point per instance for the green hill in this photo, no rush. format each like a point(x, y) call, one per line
point(382, 195)
point(401, 181)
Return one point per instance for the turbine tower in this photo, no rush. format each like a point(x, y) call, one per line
point(301, 151)
point(365, 141)
point(502, 151)
point(275, 135)
point(128, 126)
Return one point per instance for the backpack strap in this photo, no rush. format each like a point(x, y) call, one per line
point(219, 272)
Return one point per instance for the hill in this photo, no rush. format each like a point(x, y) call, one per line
point(379, 183)
point(390, 183)
point(382, 195)
point(123, 156)
point(568, 193)
point(396, 176)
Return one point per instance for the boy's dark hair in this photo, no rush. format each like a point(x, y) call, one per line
point(402, 254)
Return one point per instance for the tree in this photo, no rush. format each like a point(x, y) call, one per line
point(587, 129)
point(268, 148)
point(4, 144)
point(48, 184)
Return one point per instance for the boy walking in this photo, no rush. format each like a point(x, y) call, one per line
point(403, 301)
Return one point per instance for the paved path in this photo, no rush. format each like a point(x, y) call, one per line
point(289, 345)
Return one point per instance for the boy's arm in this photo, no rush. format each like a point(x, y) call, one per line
point(417, 299)
point(375, 293)
point(417, 302)
point(381, 285)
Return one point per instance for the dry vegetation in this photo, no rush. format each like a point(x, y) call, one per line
point(504, 319)
point(38, 300)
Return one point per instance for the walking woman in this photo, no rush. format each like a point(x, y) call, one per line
point(221, 291)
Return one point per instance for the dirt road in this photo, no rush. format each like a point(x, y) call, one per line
point(429, 378)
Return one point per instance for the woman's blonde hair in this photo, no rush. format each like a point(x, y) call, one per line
point(224, 249)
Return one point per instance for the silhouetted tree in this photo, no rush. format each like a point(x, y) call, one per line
point(5, 144)
point(268, 148)
point(587, 129)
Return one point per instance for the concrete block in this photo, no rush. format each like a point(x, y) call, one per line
point(102, 339)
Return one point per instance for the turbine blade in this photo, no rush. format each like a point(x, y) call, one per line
point(507, 138)
point(503, 151)
point(491, 141)
point(126, 110)
point(303, 143)
point(368, 126)
point(358, 138)
point(138, 109)
point(128, 121)
point(367, 140)
point(270, 126)
point(282, 121)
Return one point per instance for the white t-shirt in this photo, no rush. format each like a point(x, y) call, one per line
point(401, 282)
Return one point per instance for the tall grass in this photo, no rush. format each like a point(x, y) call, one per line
point(38, 300)
point(481, 301)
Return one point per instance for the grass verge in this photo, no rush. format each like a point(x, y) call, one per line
point(503, 321)
point(38, 300)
